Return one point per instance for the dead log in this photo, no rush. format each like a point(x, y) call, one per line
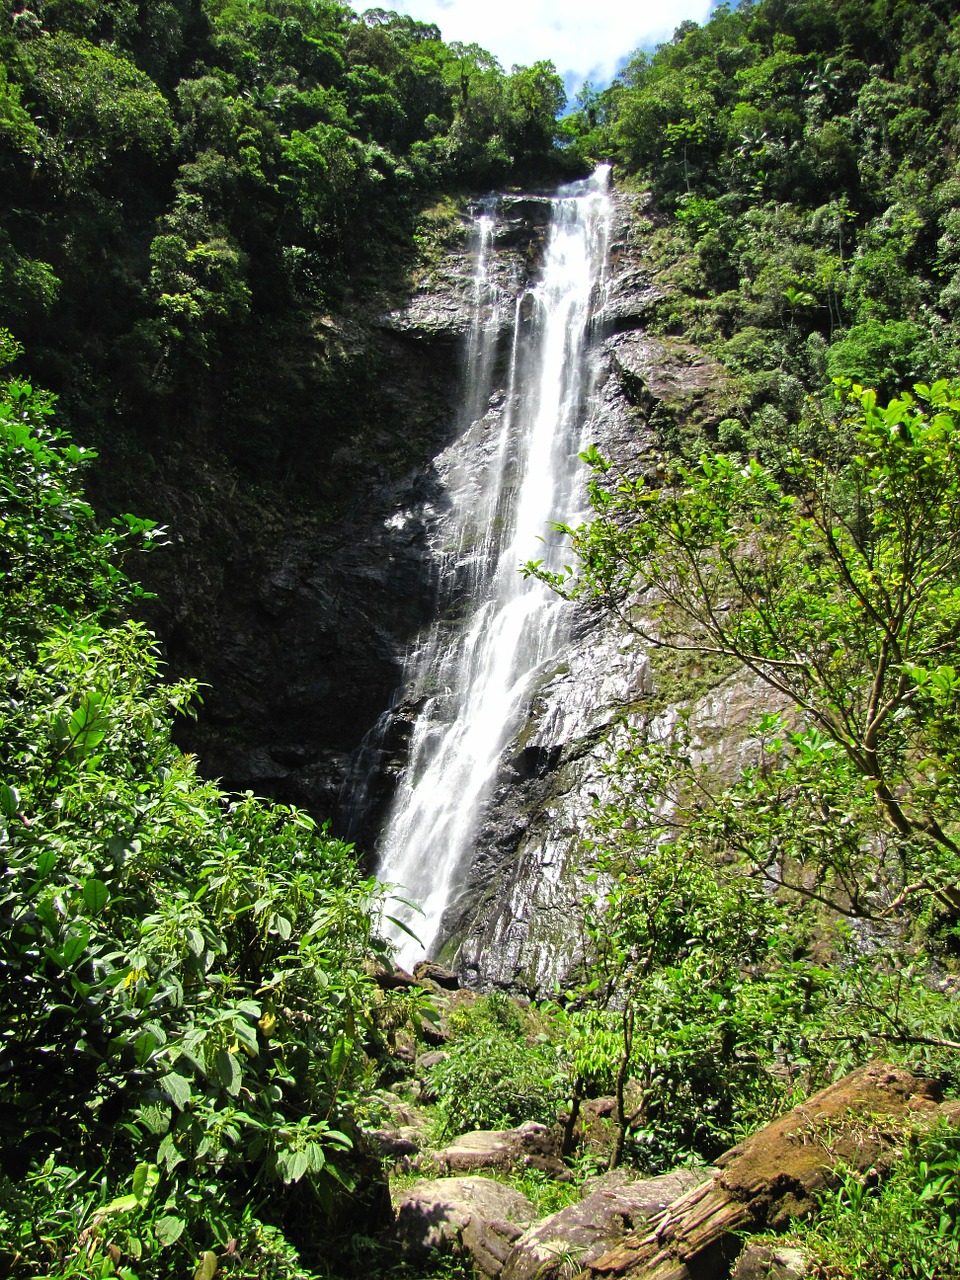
point(776, 1175)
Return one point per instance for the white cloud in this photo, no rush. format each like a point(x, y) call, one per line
point(585, 39)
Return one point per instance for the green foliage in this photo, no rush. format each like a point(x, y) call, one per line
point(500, 1070)
point(908, 1229)
point(859, 636)
point(796, 156)
point(233, 167)
point(879, 354)
point(99, 109)
point(760, 932)
point(694, 991)
point(182, 973)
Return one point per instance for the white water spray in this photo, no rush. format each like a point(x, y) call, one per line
point(475, 678)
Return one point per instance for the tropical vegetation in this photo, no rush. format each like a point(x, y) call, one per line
point(202, 204)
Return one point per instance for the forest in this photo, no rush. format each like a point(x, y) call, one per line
point(204, 204)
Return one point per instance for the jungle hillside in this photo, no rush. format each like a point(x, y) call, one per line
point(204, 207)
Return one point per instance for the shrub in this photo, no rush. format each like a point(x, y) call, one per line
point(908, 1229)
point(497, 1072)
point(183, 994)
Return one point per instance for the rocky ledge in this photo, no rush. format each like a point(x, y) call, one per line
point(688, 1224)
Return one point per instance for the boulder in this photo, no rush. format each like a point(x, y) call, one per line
point(765, 1262)
point(531, 1146)
point(562, 1244)
point(477, 1215)
point(429, 971)
point(432, 1059)
point(402, 1135)
point(778, 1173)
point(393, 979)
point(393, 1144)
point(668, 372)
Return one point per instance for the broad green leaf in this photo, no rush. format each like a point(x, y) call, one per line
point(207, 1268)
point(46, 862)
point(122, 1204)
point(85, 729)
point(296, 1166)
point(177, 1088)
point(228, 1071)
point(145, 1179)
point(156, 1118)
point(143, 1047)
point(169, 1229)
point(340, 1053)
point(96, 895)
point(74, 947)
point(168, 1153)
point(9, 800)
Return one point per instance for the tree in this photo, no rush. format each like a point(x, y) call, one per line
point(754, 932)
point(838, 590)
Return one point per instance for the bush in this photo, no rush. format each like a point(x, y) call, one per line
point(879, 354)
point(183, 994)
point(498, 1071)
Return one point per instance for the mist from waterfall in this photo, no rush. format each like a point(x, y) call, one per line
point(497, 632)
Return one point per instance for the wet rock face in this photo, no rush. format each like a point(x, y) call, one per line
point(306, 650)
point(307, 626)
point(304, 627)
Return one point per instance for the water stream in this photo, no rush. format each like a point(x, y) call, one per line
point(496, 632)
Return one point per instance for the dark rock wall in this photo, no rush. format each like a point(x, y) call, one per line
point(300, 623)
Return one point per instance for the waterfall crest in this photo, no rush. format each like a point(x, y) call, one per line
point(496, 633)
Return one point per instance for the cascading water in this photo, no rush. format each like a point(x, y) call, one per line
point(474, 675)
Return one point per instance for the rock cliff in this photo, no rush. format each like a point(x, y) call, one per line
point(305, 621)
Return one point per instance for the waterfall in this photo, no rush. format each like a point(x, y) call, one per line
point(496, 633)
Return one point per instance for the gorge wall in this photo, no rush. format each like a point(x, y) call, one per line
point(305, 623)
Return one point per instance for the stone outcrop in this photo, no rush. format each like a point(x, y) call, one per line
point(775, 1175)
point(479, 1216)
point(429, 974)
point(770, 1262)
point(565, 1242)
point(669, 373)
point(530, 1146)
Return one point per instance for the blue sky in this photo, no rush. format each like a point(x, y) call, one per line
point(585, 39)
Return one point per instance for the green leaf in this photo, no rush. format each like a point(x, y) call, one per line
point(9, 801)
point(143, 1047)
point(169, 1229)
point(177, 1088)
point(228, 1071)
point(122, 1204)
point(145, 1179)
point(156, 1118)
point(96, 895)
point(168, 1153)
point(84, 728)
point(340, 1053)
point(45, 863)
point(74, 947)
point(207, 1268)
